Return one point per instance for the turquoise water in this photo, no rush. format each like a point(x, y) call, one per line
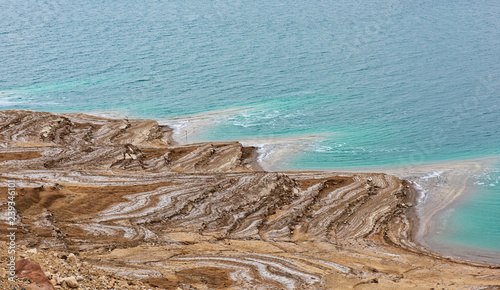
point(383, 83)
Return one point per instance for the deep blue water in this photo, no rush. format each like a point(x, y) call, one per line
point(384, 83)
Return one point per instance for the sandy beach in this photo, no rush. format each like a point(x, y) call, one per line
point(135, 206)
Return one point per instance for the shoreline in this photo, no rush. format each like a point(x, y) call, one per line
point(442, 186)
point(136, 195)
point(270, 152)
point(423, 216)
point(448, 183)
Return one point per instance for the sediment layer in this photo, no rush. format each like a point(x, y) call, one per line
point(122, 195)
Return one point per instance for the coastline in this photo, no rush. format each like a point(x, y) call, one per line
point(444, 184)
point(437, 187)
point(454, 177)
point(440, 187)
point(272, 150)
point(207, 204)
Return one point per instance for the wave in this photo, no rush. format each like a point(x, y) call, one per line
point(423, 185)
point(7, 93)
point(273, 152)
point(490, 177)
point(259, 116)
point(188, 127)
point(434, 174)
point(344, 147)
point(9, 98)
point(422, 193)
point(17, 98)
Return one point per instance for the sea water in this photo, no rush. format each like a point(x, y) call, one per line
point(370, 83)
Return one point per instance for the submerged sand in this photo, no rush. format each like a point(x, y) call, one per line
point(126, 198)
point(443, 186)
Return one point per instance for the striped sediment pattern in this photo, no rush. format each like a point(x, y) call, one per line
point(122, 195)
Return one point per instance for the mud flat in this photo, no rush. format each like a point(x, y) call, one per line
point(125, 198)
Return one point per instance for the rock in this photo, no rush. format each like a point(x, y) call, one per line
point(123, 284)
point(48, 274)
point(3, 274)
point(71, 282)
point(57, 279)
point(33, 251)
point(32, 271)
point(79, 278)
point(72, 258)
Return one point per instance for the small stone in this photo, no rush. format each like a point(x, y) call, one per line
point(71, 282)
point(112, 282)
point(33, 251)
point(72, 258)
point(57, 279)
point(3, 274)
point(48, 274)
point(122, 284)
point(79, 278)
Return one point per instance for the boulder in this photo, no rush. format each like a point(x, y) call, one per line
point(71, 282)
point(32, 271)
point(72, 258)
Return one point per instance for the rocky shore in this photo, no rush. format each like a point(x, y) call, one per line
point(134, 210)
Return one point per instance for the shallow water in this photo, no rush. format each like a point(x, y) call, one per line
point(377, 83)
point(470, 222)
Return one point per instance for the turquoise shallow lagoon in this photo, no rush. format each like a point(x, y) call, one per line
point(376, 83)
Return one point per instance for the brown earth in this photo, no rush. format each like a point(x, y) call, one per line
point(143, 212)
